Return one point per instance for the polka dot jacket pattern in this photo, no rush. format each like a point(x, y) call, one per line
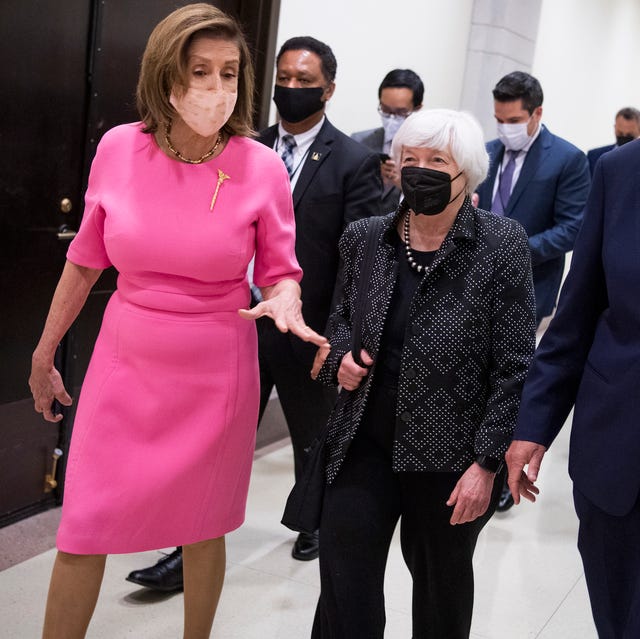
point(467, 345)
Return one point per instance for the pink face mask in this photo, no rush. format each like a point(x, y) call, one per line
point(205, 111)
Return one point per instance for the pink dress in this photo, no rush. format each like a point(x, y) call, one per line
point(165, 428)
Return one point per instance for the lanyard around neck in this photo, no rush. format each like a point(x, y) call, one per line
point(297, 167)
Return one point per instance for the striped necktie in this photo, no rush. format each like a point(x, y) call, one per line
point(287, 153)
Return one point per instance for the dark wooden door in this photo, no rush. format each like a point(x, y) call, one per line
point(43, 75)
point(68, 73)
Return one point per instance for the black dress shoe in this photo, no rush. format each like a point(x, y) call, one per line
point(306, 547)
point(506, 499)
point(165, 576)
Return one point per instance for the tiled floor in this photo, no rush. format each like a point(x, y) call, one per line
point(529, 580)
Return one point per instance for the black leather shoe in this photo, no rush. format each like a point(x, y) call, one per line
point(306, 547)
point(506, 499)
point(165, 576)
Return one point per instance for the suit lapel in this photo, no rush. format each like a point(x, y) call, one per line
point(386, 267)
point(376, 144)
point(317, 154)
point(387, 190)
point(497, 153)
point(268, 136)
point(485, 190)
point(377, 140)
point(536, 155)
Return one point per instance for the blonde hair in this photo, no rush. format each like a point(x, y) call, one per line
point(164, 65)
point(444, 129)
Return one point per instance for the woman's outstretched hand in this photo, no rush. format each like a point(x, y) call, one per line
point(282, 304)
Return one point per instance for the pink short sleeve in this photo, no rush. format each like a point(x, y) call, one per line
point(87, 248)
point(276, 234)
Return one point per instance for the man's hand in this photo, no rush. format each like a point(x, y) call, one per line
point(520, 454)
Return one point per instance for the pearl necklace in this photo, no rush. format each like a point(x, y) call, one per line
point(200, 160)
point(407, 247)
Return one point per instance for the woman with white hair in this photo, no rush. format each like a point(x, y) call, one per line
point(447, 338)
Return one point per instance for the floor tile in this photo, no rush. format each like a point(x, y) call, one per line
point(529, 580)
point(573, 617)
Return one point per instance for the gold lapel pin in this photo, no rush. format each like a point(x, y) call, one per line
point(222, 176)
point(316, 156)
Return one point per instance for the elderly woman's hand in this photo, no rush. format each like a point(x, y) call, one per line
point(282, 304)
point(318, 361)
point(46, 386)
point(350, 375)
point(471, 495)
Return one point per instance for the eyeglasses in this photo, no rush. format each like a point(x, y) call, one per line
point(385, 112)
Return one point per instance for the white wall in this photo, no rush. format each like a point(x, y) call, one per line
point(502, 39)
point(370, 38)
point(586, 59)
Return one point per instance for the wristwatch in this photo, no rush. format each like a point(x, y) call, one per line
point(491, 464)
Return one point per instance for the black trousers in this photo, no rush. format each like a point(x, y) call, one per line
point(610, 550)
point(306, 404)
point(361, 509)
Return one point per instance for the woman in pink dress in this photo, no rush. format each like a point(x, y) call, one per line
point(164, 432)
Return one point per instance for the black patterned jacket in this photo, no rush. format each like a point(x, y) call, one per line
point(468, 343)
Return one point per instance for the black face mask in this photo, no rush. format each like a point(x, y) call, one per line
point(427, 191)
point(623, 139)
point(295, 105)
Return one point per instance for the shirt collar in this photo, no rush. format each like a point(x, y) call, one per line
point(302, 139)
point(534, 137)
point(463, 226)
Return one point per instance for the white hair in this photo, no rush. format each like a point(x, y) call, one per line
point(456, 132)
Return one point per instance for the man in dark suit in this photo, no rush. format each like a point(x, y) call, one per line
point(334, 181)
point(400, 94)
point(590, 357)
point(538, 179)
point(548, 182)
point(626, 128)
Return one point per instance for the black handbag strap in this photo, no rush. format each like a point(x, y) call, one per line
point(371, 243)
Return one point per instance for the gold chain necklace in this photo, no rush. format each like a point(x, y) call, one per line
point(200, 160)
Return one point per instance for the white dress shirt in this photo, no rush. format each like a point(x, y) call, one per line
point(301, 150)
point(519, 162)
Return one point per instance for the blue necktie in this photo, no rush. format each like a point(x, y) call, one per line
point(287, 154)
point(503, 193)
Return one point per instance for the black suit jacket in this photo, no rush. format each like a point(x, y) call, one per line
point(374, 139)
point(338, 184)
point(590, 354)
point(594, 155)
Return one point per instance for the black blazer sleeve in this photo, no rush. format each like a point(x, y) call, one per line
point(339, 324)
point(363, 191)
point(552, 384)
point(362, 199)
point(512, 342)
